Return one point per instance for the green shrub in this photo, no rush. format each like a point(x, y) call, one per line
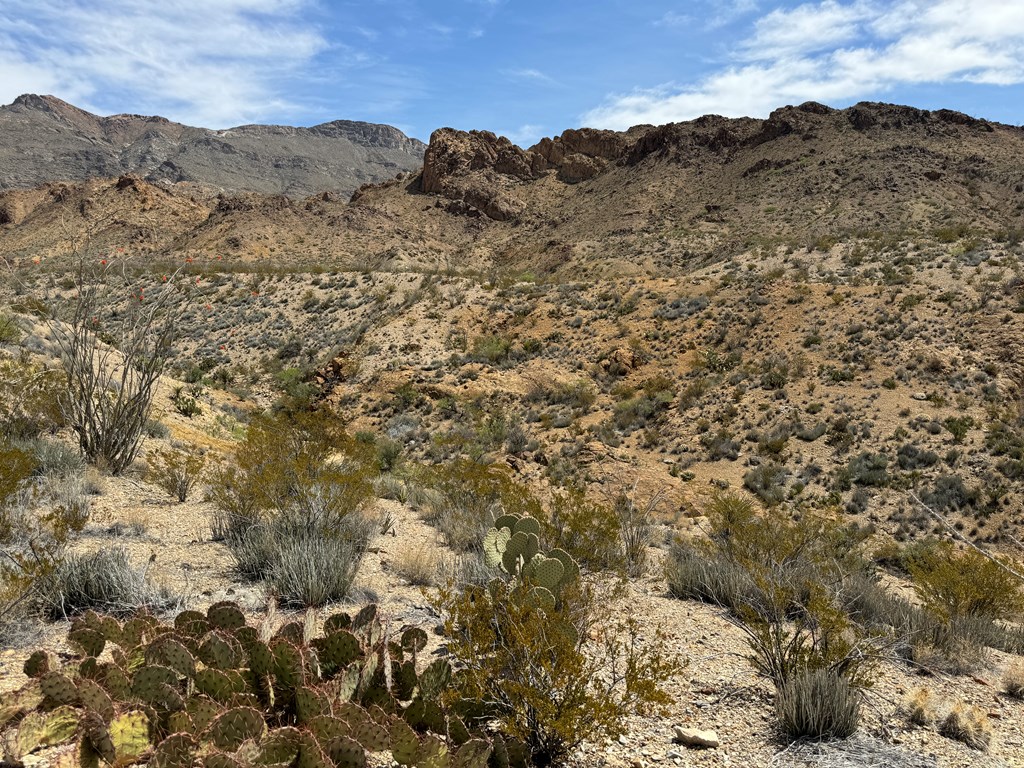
point(525, 658)
point(286, 497)
point(469, 497)
point(586, 529)
point(176, 472)
point(818, 704)
point(958, 584)
point(767, 482)
point(185, 404)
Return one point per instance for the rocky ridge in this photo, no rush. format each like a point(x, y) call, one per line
point(44, 139)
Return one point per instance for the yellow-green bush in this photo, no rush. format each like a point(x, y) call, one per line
point(955, 584)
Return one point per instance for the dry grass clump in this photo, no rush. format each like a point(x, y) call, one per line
point(1013, 680)
point(104, 581)
point(418, 566)
point(921, 707)
point(968, 725)
point(176, 472)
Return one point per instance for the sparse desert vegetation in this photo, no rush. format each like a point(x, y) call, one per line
point(626, 494)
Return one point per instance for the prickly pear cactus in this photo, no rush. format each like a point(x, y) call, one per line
point(207, 692)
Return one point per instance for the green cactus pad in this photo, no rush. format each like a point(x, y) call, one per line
point(225, 615)
point(281, 745)
point(116, 682)
point(433, 753)
point(426, 715)
point(220, 651)
point(404, 680)
point(138, 630)
point(528, 525)
point(202, 710)
point(346, 753)
point(220, 760)
point(181, 722)
point(39, 663)
point(90, 668)
point(111, 630)
point(472, 754)
point(414, 639)
point(146, 682)
point(310, 703)
point(293, 632)
point(288, 663)
point(311, 755)
point(543, 598)
point(336, 622)
point(546, 571)
point(58, 688)
point(435, 678)
point(405, 745)
point(192, 623)
point(88, 642)
point(458, 732)
point(246, 636)
point(371, 736)
point(98, 735)
point(30, 734)
point(344, 686)
point(495, 543)
point(130, 735)
point(93, 697)
point(176, 751)
point(326, 727)
point(171, 653)
point(337, 649)
point(507, 521)
point(365, 617)
point(570, 566)
point(517, 544)
point(261, 658)
point(234, 726)
point(215, 684)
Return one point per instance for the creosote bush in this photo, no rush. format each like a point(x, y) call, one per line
point(960, 584)
point(781, 579)
point(524, 645)
point(291, 511)
point(176, 472)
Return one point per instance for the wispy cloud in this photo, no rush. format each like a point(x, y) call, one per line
point(211, 63)
point(525, 135)
point(673, 19)
point(836, 51)
point(528, 74)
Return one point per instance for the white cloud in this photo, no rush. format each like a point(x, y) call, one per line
point(216, 62)
point(525, 135)
point(834, 51)
point(528, 74)
point(673, 19)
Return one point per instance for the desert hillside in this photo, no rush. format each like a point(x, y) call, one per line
point(760, 382)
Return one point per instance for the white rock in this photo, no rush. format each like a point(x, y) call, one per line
point(694, 737)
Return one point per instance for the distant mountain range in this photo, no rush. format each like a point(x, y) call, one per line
point(44, 139)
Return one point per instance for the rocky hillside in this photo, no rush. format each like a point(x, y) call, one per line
point(653, 201)
point(43, 139)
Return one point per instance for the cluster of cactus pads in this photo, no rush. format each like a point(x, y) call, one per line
point(210, 691)
point(513, 546)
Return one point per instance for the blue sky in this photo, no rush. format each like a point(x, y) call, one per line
point(522, 68)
